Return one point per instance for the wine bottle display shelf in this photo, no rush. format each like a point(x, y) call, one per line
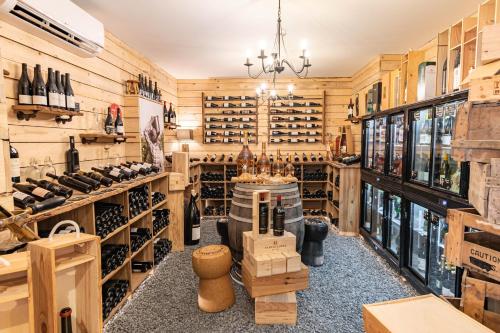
point(26, 112)
point(88, 138)
point(224, 121)
point(297, 121)
point(148, 99)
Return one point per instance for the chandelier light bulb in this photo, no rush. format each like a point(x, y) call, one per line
point(263, 87)
point(307, 54)
point(273, 93)
point(258, 91)
point(304, 44)
point(290, 88)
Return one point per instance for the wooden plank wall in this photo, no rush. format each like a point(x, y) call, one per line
point(372, 73)
point(338, 91)
point(97, 82)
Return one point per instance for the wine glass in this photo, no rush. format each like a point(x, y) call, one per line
point(47, 167)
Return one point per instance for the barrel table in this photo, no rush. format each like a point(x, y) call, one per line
point(240, 215)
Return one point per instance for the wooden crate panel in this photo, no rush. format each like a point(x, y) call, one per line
point(419, 314)
point(176, 181)
point(267, 244)
point(490, 43)
point(258, 265)
point(275, 284)
point(481, 252)
point(276, 309)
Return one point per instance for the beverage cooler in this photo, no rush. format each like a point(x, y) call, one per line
point(409, 180)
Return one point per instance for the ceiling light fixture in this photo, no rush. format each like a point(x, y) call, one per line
point(275, 64)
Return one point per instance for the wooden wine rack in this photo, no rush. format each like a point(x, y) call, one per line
point(219, 113)
point(298, 120)
point(80, 208)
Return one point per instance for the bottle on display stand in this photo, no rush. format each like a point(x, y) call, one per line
point(245, 162)
point(278, 218)
point(109, 126)
point(119, 129)
point(39, 89)
point(263, 215)
point(278, 166)
point(263, 164)
point(192, 221)
point(24, 88)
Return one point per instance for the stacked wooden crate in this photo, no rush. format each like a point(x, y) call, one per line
point(272, 270)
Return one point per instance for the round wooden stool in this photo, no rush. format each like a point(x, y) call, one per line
point(212, 264)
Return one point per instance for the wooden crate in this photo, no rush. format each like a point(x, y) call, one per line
point(66, 271)
point(16, 294)
point(276, 309)
point(478, 251)
point(272, 263)
point(274, 284)
point(427, 313)
point(490, 43)
point(267, 244)
point(481, 299)
point(484, 194)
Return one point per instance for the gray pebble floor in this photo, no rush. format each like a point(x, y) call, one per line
point(353, 274)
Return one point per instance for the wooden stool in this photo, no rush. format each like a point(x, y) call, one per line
point(212, 264)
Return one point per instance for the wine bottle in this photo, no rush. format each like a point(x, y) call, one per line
point(205, 159)
point(108, 123)
point(222, 157)
point(150, 89)
point(141, 86)
point(263, 164)
point(84, 179)
point(136, 167)
point(350, 109)
point(52, 90)
point(343, 142)
point(53, 187)
point(119, 123)
point(72, 183)
point(24, 88)
point(155, 91)
point(113, 174)
point(129, 173)
point(173, 116)
point(192, 222)
point(72, 157)
point(296, 157)
point(69, 95)
point(244, 161)
point(22, 200)
point(304, 157)
point(456, 72)
point(166, 115)
point(263, 215)
point(15, 165)
point(38, 193)
point(60, 90)
point(278, 218)
point(230, 158)
point(320, 157)
point(65, 315)
point(313, 157)
point(213, 157)
point(39, 89)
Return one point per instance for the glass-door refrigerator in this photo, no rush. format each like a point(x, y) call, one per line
point(379, 144)
point(421, 145)
point(426, 254)
point(396, 141)
point(394, 217)
point(368, 132)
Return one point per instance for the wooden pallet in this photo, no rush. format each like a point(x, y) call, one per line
point(479, 251)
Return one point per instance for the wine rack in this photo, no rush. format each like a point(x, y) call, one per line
point(297, 119)
point(226, 118)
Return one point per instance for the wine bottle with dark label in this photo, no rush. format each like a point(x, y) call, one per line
point(263, 215)
point(72, 157)
point(65, 315)
point(22, 200)
point(71, 182)
point(278, 218)
point(24, 89)
point(60, 90)
point(192, 222)
point(119, 123)
point(52, 90)
point(96, 176)
point(39, 89)
point(155, 92)
point(115, 175)
point(53, 187)
point(70, 95)
point(15, 165)
point(84, 179)
point(36, 192)
point(109, 126)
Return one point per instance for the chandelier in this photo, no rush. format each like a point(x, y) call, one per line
point(275, 64)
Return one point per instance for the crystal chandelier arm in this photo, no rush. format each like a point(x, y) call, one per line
point(297, 72)
point(256, 76)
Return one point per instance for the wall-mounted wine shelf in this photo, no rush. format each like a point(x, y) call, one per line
point(297, 119)
point(26, 112)
point(226, 118)
point(143, 97)
point(88, 138)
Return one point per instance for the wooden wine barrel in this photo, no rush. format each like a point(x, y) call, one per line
point(240, 215)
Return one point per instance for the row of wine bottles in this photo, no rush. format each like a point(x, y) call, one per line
point(108, 218)
point(316, 175)
point(112, 257)
point(157, 197)
point(315, 212)
point(294, 140)
point(160, 219)
point(227, 140)
point(138, 200)
point(169, 115)
point(295, 118)
point(229, 98)
point(227, 126)
point(294, 104)
point(114, 126)
point(139, 237)
point(230, 119)
point(212, 192)
point(57, 93)
point(229, 105)
point(317, 194)
point(228, 133)
point(113, 292)
point(233, 112)
point(295, 133)
point(294, 126)
point(162, 247)
point(294, 111)
point(278, 216)
point(147, 90)
point(296, 158)
point(215, 210)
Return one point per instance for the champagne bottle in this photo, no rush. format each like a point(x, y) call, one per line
point(263, 215)
point(109, 128)
point(24, 88)
point(65, 315)
point(52, 90)
point(15, 165)
point(72, 156)
point(192, 222)
point(119, 123)
point(39, 89)
point(53, 187)
point(278, 218)
point(113, 174)
point(173, 116)
point(84, 179)
point(38, 193)
point(72, 183)
point(70, 96)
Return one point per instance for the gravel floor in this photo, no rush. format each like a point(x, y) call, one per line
point(352, 275)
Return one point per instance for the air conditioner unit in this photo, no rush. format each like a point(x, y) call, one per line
point(60, 22)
